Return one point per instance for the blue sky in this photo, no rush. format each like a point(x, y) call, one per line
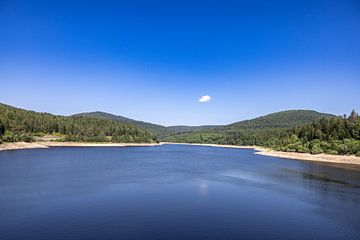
point(153, 60)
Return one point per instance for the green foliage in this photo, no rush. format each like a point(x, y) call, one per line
point(327, 134)
point(282, 119)
point(266, 130)
point(285, 119)
point(155, 129)
point(331, 151)
point(22, 125)
point(152, 128)
point(339, 135)
point(291, 131)
point(316, 149)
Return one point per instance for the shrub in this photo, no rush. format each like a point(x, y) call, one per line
point(25, 137)
point(8, 138)
point(325, 145)
point(342, 149)
point(316, 149)
point(331, 151)
point(302, 149)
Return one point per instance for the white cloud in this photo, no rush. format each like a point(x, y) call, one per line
point(204, 99)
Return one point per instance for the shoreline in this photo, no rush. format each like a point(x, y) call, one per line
point(34, 145)
point(257, 148)
point(341, 160)
point(344, 160)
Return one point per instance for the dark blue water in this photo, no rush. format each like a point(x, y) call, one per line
point(173, 192)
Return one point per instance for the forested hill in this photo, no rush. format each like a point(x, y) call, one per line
point(156, 129)
point(18, 124)
point(256, 131)
point(340, 135)
point(283, 119)
point(184, 128)
point(22, 125)
point(293, 130)
point(289, 118)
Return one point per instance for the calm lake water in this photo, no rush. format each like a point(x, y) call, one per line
point(173, 192)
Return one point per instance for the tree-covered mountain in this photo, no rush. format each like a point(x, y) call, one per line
point(22, 125)
point(293, 130)
point(184, 128)
point(256, 131)
point(156, 129)
point(289, 118)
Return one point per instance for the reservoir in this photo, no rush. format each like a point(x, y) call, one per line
point(173, 192)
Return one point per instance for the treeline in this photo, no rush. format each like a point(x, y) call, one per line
point(22, 125)
point(324, 134)
point(257, 131)
point(333, 135)
point(283, 119)
point(258, 137)
point(339, 135)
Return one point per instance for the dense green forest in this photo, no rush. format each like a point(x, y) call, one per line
point(293, 130)
point(152, 128)
point(22, 125)
point(282, 119)
point(156, 129)
point(324, 134)
point(339, 135)
point(257, 131)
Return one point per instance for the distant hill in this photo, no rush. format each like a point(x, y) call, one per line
point(22, 125)
point(183, 128)
point(251, 132)
point(289, 118)
point(291, 130)
point(156, 129)
point(284, 119)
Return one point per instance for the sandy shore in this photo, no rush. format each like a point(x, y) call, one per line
point(324, 158)
point(328, 158)
point(25, 145)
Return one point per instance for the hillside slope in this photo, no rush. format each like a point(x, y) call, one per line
point(256, 131)
point(288, 118)
point(153, 128)
point(156, 129)
point(21, 125)
point(339, 135)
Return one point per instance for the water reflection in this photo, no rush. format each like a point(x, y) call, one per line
point(323, 183)
point(203, 188)
point(320, 178)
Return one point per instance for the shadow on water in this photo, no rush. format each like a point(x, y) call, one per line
point(321, 178)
